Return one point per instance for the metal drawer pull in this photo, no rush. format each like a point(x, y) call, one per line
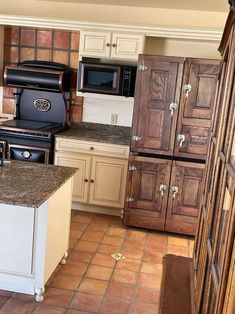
point(187, 88)
point(92, 148)
point(162, 189)
point(92, 181)
point(135, 138)
point(114, 45)
point(174, 190)
point(108, 45)
point(85, 180)
point(173, 107)
point(181, 139)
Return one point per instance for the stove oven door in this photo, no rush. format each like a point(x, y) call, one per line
point(28, 153)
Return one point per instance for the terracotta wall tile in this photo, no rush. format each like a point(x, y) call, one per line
point(75, 113)
point(27, 54)
point(61, 56)
point(11, 35)
point(28, 37)
point(8, 92)
point(11, 54)
point(75, 39)
point(44, 38)
point(8, 105)
point(61, 40)
point(74, 60)
point(44, 54)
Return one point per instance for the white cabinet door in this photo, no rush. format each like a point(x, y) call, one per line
point(108, 181)
point(81, 178)
point(95, 44)
point(111, 45)
point(126, 46)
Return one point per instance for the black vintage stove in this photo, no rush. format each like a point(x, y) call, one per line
point(41, 110)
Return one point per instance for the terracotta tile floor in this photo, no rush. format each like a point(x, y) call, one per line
point(93, 282)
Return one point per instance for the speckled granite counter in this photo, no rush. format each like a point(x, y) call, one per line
point(31, 184)
point(96, 132)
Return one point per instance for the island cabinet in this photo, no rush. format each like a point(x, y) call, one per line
point(102, 170)
point(111, 45)
point(163, 194)
point(34, 224)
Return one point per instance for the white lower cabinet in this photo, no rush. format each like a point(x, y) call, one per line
point(100, 180)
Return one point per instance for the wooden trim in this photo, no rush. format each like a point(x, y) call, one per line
point(213, 35)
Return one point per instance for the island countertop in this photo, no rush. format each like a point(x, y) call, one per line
point(31, 184)
point(97, 132)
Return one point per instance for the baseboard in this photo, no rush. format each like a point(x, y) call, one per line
point(97, 209)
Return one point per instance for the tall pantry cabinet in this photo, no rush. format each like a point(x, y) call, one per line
point(214, 252)
point(172, 116)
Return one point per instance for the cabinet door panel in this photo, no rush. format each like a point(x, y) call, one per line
point(156, 88)
point(107, 184)
point(95, 44)
point(196, 107)
point(147, 204)
point(185, 197)
point(126, 46)
point(80, 182)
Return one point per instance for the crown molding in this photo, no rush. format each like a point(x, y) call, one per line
point(154, 31)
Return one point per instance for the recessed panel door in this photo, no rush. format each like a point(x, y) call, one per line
point(184, 197)
point(156, 104)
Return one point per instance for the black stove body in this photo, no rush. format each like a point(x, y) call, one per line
point(41, 110)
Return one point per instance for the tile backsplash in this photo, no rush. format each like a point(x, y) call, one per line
point(21, 43)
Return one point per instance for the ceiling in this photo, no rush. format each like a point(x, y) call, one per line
point(201, 5)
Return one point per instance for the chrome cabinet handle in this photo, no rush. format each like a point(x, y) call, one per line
point(174, 190)
point(162, 189)
point(187, 89)
point(173, 106)
point(181, 139)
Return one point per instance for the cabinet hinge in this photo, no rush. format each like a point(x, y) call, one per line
point(132, 168)
point(129, 199)
point(135, 138)
point(142, 67)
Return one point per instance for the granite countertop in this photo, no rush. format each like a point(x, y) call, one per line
point(31, 184)
point(97, 132)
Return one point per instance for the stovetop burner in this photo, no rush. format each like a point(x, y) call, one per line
point(28, 125)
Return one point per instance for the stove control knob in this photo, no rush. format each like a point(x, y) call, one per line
point(26, 154)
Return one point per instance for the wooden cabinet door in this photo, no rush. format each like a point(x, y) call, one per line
point(184, 197)
point(95, 44)
point(147, 192)
point(196, 108)
point(107, 181)
point(81, 178)
point(157, 90)
point(126, 46)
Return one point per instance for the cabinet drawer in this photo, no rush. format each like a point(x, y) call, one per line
point(93, 148)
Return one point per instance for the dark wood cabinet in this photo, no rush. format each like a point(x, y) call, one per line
point(157, 98)
point(185, 194)
point(173, 106)
point(163, 194)
point(214, 251)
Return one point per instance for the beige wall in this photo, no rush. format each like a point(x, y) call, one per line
point(182, 48)
point(114, 14)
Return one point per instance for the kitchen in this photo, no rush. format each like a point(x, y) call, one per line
point(23, 42)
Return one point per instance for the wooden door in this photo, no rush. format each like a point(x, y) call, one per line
point(184, 197)
point(147, 192)
point(196, 108)
point(81, 179)
point(107, 181)
point(157, 96)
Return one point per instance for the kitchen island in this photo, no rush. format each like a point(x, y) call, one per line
point(35, 210)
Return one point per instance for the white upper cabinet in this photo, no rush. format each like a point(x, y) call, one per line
point(111, 45)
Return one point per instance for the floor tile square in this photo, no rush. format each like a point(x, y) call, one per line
point(86, 302)
point(93, 286)
point(125, 276)
point(99, 272)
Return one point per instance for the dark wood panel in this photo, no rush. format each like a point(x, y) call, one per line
point(144, 189)
point(156, 88)
point(196, 107)
point(185, 197)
